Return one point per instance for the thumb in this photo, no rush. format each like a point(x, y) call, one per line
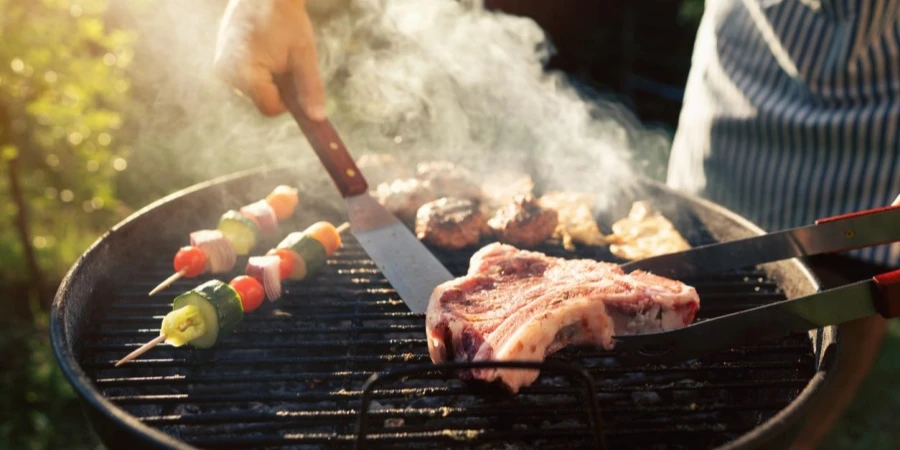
point(305, 75)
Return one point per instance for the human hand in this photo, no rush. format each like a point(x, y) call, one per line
point(260, 39)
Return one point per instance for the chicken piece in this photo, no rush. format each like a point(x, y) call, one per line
point(383, 167)
point(522, 305)
point(524, 222)
point(576, 218)
point(645, 233)
point(450, 223)
point(404, 197)
point(449, 180)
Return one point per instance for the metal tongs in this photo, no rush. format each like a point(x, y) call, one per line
point(878, 295)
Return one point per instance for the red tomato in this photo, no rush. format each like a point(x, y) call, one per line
point(287, 263)
point(191, 259)
point(251, 291)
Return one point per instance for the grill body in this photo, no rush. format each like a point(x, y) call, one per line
point(295, 373)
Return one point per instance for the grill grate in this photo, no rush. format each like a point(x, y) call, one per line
point(293, 375)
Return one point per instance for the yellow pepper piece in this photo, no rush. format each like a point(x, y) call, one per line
point(183, 325)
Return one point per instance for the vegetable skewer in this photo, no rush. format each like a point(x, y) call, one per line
point(200, 315)
point(237, 233)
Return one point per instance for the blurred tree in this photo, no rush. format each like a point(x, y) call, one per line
point(63, 85)
point(691, 11)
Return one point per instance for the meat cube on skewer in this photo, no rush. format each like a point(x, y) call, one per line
point(522, 305)
point(524, 222)
point(450, 223)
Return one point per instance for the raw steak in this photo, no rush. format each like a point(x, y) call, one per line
point(523, 305)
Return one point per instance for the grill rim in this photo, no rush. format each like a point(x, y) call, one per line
point(103, 414)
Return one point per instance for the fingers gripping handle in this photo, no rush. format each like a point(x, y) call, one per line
point(887, 299)
point(326, 143)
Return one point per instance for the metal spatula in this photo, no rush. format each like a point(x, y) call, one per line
point(406, 263)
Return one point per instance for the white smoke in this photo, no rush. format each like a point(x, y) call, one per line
point(436, 79)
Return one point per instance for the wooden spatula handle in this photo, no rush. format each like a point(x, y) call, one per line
point(325, 141)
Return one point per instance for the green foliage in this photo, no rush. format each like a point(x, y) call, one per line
point(870, 420)
point(691, 11)
point(63, 85)
point(38, 409)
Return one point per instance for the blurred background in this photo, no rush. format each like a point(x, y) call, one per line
point(89, 134)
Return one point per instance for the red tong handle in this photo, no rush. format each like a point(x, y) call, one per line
point(327, 144)
point(887, 299)
point(856, 214)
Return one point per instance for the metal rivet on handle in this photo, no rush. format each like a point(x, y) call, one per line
point(849, 234)
point(333, 146)
point(351, 173)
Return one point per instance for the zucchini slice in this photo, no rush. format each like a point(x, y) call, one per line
point(240, 231)
point(311, 250)
point(219, 305)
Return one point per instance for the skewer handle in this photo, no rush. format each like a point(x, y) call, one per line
point(342, 227)
point(142, 349)
point(168, 281)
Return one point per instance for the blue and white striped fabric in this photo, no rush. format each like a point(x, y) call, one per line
point(792, 111)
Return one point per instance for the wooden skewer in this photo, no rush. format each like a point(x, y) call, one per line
point(162, 337)
point(142, 349)
point(168, 281)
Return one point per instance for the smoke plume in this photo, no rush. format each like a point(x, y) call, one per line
point(435, 79)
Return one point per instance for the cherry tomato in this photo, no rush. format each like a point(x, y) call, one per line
point(191, 259)
point(283, 200)
point(251, 291)
point(327, 235)
point(287, 263)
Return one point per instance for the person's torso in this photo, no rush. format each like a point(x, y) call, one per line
point(792, 111)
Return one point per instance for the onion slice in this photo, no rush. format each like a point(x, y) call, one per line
point(220, 254)
point(262, 213)
point(267, 270)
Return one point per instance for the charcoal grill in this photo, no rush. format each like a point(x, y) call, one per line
point(339, 362)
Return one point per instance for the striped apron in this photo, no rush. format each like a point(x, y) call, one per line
point(792, 111)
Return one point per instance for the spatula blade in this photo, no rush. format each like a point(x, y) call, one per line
point(408, 265)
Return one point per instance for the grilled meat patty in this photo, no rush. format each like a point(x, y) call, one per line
point(449, 180)
point(522, 305)
point(524, 222)
point(502, 188)
point(450, 223)
point(404, 197)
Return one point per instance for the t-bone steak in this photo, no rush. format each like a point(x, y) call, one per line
point(523, 305)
